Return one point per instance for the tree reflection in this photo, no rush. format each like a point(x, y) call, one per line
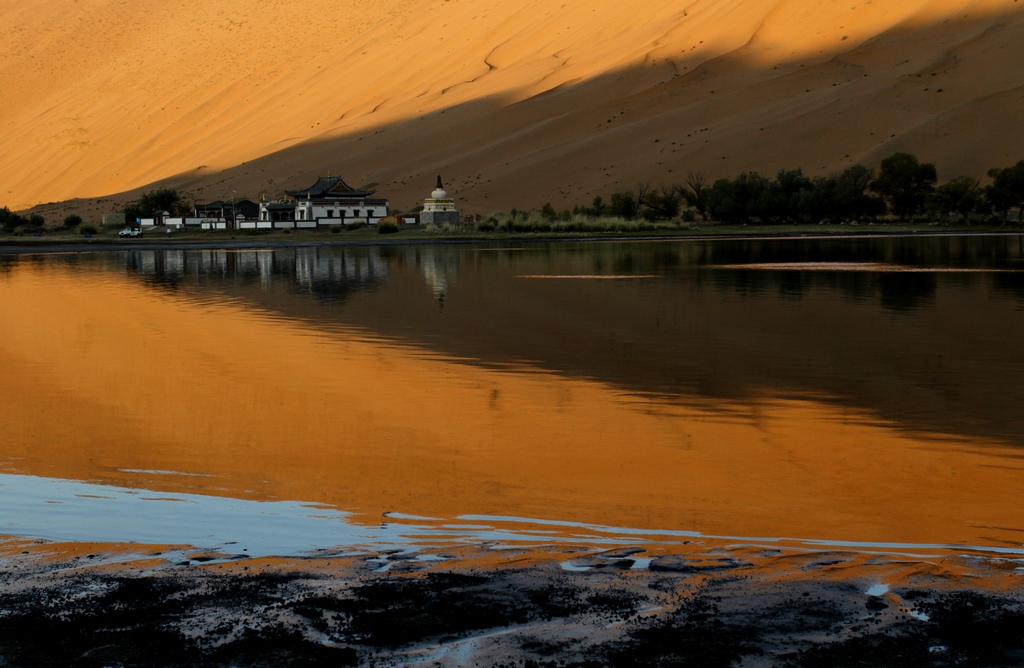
point(858, 321)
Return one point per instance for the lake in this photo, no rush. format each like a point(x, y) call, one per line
point(863, 393)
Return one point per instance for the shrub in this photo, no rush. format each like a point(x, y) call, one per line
point(335, 229)
point(386, 228)
point(35, 220)
point(87, 229)
point(535, 222)
point(355, 226)
point(73, 220)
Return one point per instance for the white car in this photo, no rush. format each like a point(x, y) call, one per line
point(130, 232)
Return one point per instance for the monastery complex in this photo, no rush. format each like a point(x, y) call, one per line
point(329, 201)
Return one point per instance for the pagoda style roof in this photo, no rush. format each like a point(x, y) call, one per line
point(330, 187)
point(246, 207)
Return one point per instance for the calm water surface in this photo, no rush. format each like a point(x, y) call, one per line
point(860, 392)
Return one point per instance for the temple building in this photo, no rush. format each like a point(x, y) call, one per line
point(329, 201)
point(229, 211)
point(439, 208)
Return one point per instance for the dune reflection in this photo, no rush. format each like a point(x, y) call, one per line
point(105, 381)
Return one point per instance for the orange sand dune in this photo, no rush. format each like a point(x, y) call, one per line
point(516, 101)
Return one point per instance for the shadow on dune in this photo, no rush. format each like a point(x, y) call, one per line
point(944, 91)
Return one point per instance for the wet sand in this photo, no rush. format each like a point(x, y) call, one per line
point(543, 606)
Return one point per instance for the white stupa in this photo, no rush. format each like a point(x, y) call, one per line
point(439, 208)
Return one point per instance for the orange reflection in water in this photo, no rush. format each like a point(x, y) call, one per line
point(108, 381)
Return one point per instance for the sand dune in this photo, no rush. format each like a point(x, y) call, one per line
point(517, 102)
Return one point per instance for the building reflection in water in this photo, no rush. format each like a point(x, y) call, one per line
point(329, 273)
point(325, 272)
point(729, 401)
point(440, 268)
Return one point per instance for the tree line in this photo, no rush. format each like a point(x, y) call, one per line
point(161, 199)
point(904, 188)
point(9, 220)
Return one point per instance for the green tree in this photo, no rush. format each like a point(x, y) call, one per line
point(722, 204)
point(624, 205)
point(663, 204)
point(740, 200)
point(73, 220)
point(161, 199)
point(35, 220)
point(9, 220)
point(548, 211)
point(960, 196)
point(842, 196)
point(851, 197)
point(1007, 189)
point(905, 183)
point(787, 193)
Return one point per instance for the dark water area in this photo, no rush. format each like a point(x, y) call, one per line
point(917, 330)
point(862, 391)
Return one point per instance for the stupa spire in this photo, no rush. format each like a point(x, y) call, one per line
point(439, 207)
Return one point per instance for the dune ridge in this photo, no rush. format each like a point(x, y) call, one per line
point(518, 102)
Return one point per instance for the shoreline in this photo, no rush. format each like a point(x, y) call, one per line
point(44, 245)
point(364, 584)
point(463, 605)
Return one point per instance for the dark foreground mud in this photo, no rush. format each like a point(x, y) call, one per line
point(809, 611)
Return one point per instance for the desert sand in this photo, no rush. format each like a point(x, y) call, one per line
point(515, 102)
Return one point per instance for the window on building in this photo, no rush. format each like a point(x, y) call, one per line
point(302, 214)
point(355, 213)
point(330, 213)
